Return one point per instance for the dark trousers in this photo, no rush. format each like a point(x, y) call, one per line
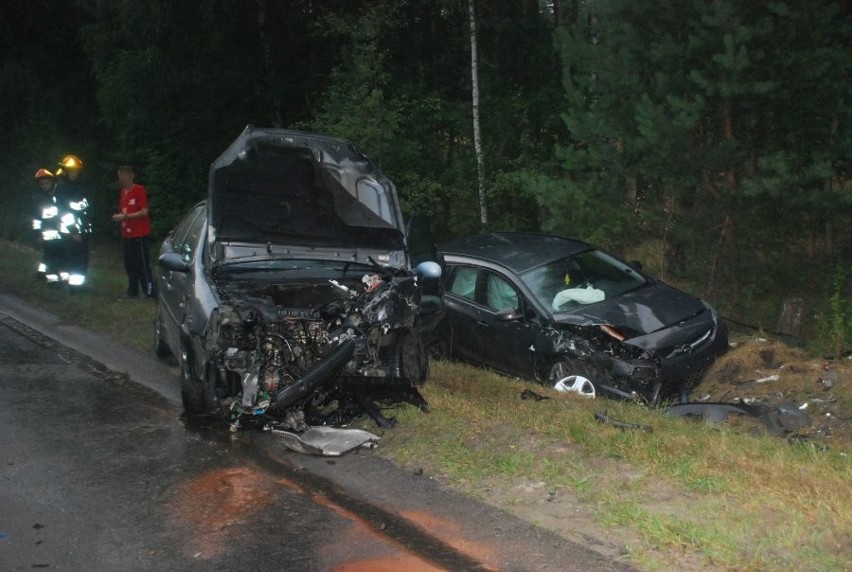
point(70, 254)
point(77, 254)
point(53, 256)
point(138, 267)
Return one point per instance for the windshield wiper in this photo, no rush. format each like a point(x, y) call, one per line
point(249, 269)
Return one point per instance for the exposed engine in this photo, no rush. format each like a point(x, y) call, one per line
point(315, 353)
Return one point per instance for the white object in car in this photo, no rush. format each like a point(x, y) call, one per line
point(587, 295)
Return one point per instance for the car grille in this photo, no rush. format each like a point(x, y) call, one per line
point(691, 346)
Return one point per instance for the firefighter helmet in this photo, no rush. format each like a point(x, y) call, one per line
point(71, 162)
point(43, 174)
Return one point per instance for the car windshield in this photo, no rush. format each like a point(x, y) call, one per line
point(585, 278)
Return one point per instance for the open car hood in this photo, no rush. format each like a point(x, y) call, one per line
point(276, 186)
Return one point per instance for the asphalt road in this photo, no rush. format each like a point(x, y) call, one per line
point(99, 472)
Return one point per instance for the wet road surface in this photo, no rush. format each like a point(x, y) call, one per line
point(99, 473)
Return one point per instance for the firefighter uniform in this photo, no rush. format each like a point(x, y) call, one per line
point(46, 225)
point(75, 227)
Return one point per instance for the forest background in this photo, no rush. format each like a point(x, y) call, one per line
point(708, 140)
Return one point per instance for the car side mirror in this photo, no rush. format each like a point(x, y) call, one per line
point(174, 262)
point(428, 269)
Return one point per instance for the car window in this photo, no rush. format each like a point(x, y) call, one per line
point(499, 293)
point(463, 282)
point(584, 278)
point(189, 246)
point(183, 228)
point(186, 235)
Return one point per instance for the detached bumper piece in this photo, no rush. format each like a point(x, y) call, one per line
point(327, 441)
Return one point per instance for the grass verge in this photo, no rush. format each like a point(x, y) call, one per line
point(688, 496)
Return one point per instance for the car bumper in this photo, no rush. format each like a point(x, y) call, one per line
point(669, 373)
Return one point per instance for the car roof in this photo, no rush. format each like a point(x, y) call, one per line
point(517, 251)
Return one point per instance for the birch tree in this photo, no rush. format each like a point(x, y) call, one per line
point(477, 137)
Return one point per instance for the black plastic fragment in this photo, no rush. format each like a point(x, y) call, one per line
point(604, 418)
point(529, 394)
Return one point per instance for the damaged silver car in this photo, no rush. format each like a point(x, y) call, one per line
point(562, 312)
point(287, 296)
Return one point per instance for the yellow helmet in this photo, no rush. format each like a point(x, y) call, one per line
point(71, 162)
point(43, 174)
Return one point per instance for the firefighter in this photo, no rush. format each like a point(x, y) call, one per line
point(75, 227)
point(46, 228)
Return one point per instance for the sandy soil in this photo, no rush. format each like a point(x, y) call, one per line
point(771, 375)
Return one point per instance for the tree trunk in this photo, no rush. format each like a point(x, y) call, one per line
point(477, 139)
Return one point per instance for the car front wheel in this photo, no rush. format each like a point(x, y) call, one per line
point(196, 388)
point(573, 375)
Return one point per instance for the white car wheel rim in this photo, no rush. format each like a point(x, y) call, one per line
point(575, 384)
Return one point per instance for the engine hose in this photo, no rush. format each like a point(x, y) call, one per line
point(317, 376)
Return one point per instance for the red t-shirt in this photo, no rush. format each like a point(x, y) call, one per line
point(133, 200)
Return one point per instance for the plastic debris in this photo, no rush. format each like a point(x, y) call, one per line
point(327, 441)
point(602, 417)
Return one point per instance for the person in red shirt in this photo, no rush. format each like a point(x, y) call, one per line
point(135, 223)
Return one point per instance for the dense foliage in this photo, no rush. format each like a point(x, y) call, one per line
point(711, 140)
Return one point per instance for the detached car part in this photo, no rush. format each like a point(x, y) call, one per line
point(786, 418)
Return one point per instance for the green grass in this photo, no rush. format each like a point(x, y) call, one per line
point(100, 306)
point(732, 500)
point(690, 495)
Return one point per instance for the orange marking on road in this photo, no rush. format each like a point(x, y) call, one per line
point(292, 485)
point(388, 564)
point(404, 560)
point(216, 500)
point(451, 532)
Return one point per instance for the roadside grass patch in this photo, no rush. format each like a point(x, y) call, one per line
point(100, 306)
point(689, 490)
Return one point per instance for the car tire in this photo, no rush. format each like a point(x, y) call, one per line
point(196, 391)
point(562, 368)
point(414, 358)
point(161, 348)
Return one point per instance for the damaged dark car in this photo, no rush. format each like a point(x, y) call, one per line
point(288, 297)
point(559, 311)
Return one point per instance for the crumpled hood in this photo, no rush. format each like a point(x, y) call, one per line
point(647, 309)
point(275, 186)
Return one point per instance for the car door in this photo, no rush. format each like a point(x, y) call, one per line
point(489, 319)
point(175, 287)
point(463, 312)
point(504, 325)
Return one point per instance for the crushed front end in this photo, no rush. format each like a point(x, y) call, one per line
point(309, 353)
point(642, 367)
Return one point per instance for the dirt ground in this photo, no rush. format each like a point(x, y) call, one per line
point(799, 398)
